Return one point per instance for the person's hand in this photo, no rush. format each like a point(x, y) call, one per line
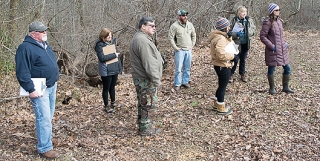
point(178, 49)
point(117, 54)
point(239, 34)
point(34, 94)
point(274, 48)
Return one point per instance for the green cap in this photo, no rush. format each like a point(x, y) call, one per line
point(182, 13)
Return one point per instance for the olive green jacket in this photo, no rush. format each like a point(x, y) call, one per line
point(182, 37)
point(146, 61)
point(250, 28)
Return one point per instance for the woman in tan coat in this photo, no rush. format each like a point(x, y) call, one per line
point(222, 61)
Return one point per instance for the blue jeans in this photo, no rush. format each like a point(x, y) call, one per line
point(43, 108)
point(182, 58)
point(286, 69)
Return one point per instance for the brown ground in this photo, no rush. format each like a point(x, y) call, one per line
point(262, 127)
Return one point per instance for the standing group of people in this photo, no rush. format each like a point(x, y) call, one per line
point(240, 32)
point(36, 59)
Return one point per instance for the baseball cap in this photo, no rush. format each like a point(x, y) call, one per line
point(182, 12)
point(37, 26)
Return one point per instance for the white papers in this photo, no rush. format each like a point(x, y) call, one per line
point(39, 85)
point(237, 27)
point(232, 48)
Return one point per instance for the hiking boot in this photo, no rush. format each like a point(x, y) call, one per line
point(177, 88)
point(222, 109)
point(185, 86)
point(150, 131)
point(116, 105)
point(109, 109)
point(243, 78)
point(215, 105)
point(50, 154)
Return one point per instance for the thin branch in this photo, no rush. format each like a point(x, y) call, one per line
point(11, 98)
point(13, 53)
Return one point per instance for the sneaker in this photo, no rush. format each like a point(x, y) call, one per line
point(150, 131)
point(50, 154)
point(116, 105)
point(185, 86)
point(109, 109)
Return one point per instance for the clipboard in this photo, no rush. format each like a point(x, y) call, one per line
point(237, 27)
point(110, 49)
point(39, 85)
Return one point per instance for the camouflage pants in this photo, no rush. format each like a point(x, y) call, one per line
point(147, 103)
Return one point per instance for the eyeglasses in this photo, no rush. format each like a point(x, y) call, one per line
point(277, 10)
point(153, 26)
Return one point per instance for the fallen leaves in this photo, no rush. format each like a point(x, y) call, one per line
point(262, 126)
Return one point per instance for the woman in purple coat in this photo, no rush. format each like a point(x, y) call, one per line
point(276, 50)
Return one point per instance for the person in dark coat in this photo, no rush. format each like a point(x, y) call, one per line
point(276, 50)
point(243, 38)
point(36, 59)
point(109, 68)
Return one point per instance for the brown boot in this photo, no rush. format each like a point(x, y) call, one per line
point(215, 105)
point(222, 109)
point(50, 154)
point(177, 89)
point(243, 78)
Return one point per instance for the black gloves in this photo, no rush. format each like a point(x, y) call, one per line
point(229, 34)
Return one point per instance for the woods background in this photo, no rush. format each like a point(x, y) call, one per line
point(75, 24)
point(262, 126)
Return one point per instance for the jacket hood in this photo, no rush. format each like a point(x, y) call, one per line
point(213, 35)
point(29, 39)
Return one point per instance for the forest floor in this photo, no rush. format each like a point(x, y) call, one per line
point(262, 126)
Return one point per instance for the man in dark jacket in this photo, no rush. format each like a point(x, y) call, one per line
point(146, 63)
point(35, 59)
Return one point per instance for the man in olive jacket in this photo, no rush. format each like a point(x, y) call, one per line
point(146, 64)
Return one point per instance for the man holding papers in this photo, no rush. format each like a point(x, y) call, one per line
point(223, 52)
point(35, 59)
